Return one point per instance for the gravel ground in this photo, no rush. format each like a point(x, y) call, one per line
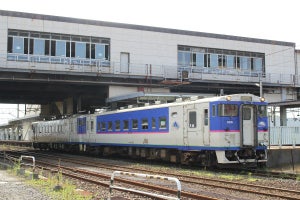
point(14, 188)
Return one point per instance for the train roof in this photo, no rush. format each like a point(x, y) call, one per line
point(180, 101)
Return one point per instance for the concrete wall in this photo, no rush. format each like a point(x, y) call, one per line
point(283, 157)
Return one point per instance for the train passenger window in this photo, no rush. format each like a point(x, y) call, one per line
point(117, 125)
point(262, 111)
point(125, 124)
point(153, 123)
point(98, 126)
point(145, 124)
point(134, 124)
point(213, 112)
point(92, 125)
point(205, 117)
point(110, 126)
point(192, 119)
point(103, 126)
point(162, 122)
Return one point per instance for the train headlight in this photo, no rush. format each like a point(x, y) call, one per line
point(262, 99)
point(228, 98)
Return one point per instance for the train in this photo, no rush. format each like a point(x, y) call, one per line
point(229, 130)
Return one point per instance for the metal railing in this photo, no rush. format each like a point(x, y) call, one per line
point(284, 135)
point(82, 65)
point(145, 176)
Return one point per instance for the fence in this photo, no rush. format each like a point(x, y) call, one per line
point(284, 135)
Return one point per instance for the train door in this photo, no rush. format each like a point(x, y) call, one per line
point(191, 128)
point(206, 132)
point(248, 125)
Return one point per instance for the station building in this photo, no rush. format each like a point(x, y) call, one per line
point(124, 59)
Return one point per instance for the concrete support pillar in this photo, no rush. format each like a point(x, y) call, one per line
point(68, 106)
point(283, 116)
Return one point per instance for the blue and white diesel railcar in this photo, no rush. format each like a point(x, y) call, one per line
point(210, 131)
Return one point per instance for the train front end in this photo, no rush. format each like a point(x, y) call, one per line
point(240, 122)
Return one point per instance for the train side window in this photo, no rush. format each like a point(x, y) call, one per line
point(162, 122)
point(214, 111)
point(92, 125)
point(117, 125)
point(103, 126)
point(125, 124)
point(110, 126)
point(205, 117)
point(134, 124)
point(145, 124)
point(192, 119)
point(153, 123)
point(98, 126)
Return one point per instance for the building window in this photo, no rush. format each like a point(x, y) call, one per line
point(60, 49)
point(18, 45)
point(80, 50)
point(39, 47)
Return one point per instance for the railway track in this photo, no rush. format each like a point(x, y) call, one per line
point(186, 179)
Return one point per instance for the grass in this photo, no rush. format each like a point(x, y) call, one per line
point(55, 186)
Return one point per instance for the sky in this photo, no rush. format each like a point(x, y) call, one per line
point(263, 19)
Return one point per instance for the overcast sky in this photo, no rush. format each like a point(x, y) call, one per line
point(264, 19)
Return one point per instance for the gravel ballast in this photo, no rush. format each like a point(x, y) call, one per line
point(14, 188)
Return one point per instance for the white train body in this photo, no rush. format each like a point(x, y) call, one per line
point(210, 131)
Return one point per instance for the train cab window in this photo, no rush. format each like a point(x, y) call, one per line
point(205, 117)
point(262, 111)
point(117, 125)
point(134, 124)
point(153, 123)
point(192, 119)
point(103, 126)
point(145, 124)
point(227, 110)
point(125, 124)
point(110, 126)
point(162, 122)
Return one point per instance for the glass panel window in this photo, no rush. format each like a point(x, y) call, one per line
point(100, 51)
point(60, 49)
point(145, 124)
point(192, 119)
point(39, 47)
point(227, 110)
point(184, 58)
point(18, 45)
point(257, 64)
point(199, 59)
point(80, 50)
point(153, 123)
point(110, 126)
point(230, 61)
point(125, 124)
point(205, 117)
point(118, 125)
point(213, 60)
point(262, 111)
point(246, 113)
point(245, 63)
point(162, 122)
point(134, 124)
point(103, 126)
